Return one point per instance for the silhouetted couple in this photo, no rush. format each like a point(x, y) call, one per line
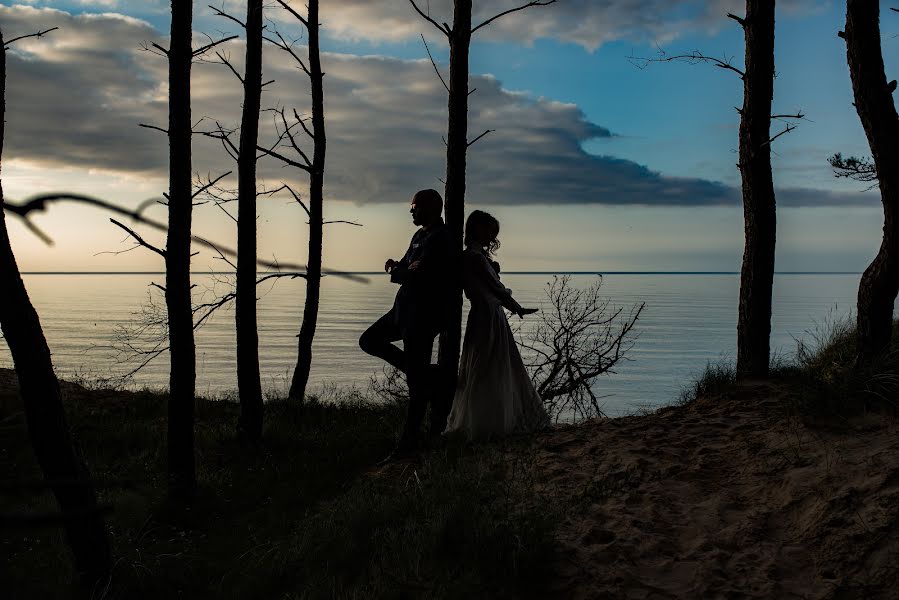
point(491, 394)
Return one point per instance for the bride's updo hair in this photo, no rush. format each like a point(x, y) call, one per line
point(477, 221)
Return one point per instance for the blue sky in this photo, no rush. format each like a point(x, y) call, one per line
point(554, 85)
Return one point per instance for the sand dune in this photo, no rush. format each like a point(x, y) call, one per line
point(726, 498)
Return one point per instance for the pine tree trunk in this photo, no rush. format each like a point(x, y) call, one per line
point(874, 103)
point(182, 376)
point(249, 385)
point(316, 214)
point(44, 411)
point(759, 209)
point(454, 192)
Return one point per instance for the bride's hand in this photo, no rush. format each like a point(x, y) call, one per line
point(526, 311)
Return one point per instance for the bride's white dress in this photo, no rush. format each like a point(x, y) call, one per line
point(495, 395)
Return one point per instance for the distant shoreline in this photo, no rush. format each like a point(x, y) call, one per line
point(504, 273)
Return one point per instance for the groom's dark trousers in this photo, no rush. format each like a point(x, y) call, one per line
point(414, 360)
point(417, 317)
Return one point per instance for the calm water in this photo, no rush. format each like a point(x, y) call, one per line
point(688, 320)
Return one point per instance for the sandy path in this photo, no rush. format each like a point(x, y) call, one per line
point(726, 499)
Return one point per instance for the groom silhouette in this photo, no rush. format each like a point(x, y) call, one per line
point(419, 313)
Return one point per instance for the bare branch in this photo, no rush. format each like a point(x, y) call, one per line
point(284, 159)
point(693, 58)
point(146, 126)
point(303, 124)
point(30, 35)
point(288, 47)
point(787, 129)
point(436, 70)
point(739, 20)
point(210, 184)
point(160, 48)
point(345, 222)
point(298, 199)
point(222, 13)
point(296, 15)
point(445, 29)
point(225, 61)
point(203, 49)
point(512, 10)
point(40, 203)
point(139, 239)
point(480, 136)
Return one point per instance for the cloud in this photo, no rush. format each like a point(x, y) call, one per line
point(76, 98)
point(589, 23)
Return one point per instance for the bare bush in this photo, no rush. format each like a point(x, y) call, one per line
point(580, 336)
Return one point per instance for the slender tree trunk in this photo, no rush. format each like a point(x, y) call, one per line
point(874, 103)
point(44, 412)
point(182, 376)
point(759, 210)
point(316, 211)
point(454, 192)
point(249, 385)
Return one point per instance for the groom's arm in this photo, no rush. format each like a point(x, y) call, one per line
point(431, 262)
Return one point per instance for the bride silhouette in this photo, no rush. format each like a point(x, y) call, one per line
point(494, 395)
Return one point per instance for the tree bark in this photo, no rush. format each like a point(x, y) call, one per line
point(44, 412)
point(874, 104)
point(759, 209)
point(454, 191)
point(316, 213)
point(182, 375)
point(249, 385)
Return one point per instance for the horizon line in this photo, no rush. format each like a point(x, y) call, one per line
point(504, 272)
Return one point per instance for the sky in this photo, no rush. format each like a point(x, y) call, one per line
point(598, 161)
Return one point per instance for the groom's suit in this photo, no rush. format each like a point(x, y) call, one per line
point(418, 315)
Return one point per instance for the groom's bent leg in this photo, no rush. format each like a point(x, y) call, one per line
point(377, 341)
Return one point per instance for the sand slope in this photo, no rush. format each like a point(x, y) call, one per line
point(725, 498)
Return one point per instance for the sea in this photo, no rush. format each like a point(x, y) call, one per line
point(689, 320)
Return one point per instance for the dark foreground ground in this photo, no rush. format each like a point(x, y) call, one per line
point(740, 493)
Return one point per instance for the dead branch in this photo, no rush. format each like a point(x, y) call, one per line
point(210, 184)
point(220, 12)
point(512, 10)
point(298, 199)
point(445, 29)
point(227, 62)
point(693, 58)
point(30, 35)
point(141, 241)
point(288, 48)
point(203, 49)
point(154, 127)
point(480, 136)
point(41, 202)
point(296, 15)
point(434, 64)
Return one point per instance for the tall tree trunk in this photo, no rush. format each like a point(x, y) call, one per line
point(44, 412)
point(759, 210)
point(249, 385)
point(182, 375)
point(454, 192)
point(316, 211)
point(874, 103)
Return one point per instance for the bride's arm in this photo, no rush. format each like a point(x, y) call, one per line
point(489, 277)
